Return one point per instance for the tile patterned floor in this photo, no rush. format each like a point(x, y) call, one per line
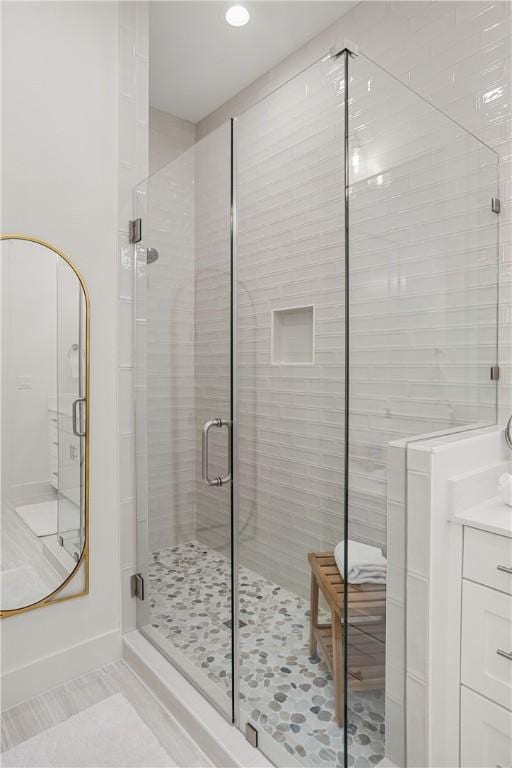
point(287, 692)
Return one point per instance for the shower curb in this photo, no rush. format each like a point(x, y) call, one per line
point(222, 743)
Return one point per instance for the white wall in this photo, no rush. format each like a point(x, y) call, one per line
point(59, 182)
point(169, 136)
point(29, 351)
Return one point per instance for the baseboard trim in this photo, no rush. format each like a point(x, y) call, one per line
point(46, 673)
point(223, 744)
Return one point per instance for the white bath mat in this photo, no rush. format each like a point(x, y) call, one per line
point(20, 586)
point(107, 735)
point(42, 518)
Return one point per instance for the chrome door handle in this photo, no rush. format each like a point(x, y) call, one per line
point(76, 419)
point(505, 654)
point(218, 481)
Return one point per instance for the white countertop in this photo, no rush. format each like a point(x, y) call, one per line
point(492, 515)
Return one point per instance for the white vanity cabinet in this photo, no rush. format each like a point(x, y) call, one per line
point(486, 646)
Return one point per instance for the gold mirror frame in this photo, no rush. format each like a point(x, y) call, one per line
point(53, 598)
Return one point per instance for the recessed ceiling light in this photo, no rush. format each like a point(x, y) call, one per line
point(237, 16)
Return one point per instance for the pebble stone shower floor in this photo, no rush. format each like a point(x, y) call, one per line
point(286, 691)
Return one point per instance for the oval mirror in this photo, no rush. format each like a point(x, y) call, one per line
point(44, 337)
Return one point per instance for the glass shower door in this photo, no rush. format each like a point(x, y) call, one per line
point(183, 405)
point(289, 409)
point(423, 279)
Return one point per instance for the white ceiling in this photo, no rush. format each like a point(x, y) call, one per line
point(197, 61)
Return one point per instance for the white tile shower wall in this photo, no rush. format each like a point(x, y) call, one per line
point(133, 166)
point(456, 55)
point(169, 328)
point(433, 376)
point(212, 330)
point(289, 253)
point(165, 330)
point(169, 136)
point(184, 378)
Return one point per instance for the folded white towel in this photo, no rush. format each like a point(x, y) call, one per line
point(366, 564)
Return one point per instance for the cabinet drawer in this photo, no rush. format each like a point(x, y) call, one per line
point(487, 557)
point(486, 733)
point(487, 642)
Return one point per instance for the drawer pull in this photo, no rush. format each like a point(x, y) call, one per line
point(504, 569)
point(505, 654)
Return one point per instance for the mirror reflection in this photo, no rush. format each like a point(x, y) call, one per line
point(43, 391)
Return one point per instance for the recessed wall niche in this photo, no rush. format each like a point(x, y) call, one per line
point(293, 335)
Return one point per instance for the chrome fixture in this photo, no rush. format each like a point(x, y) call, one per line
point(218, 481)
point(151, 255)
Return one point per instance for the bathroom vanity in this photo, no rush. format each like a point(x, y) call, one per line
point(456, 536)
point(486, 636)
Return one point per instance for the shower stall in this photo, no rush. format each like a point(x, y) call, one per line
point(325, 291)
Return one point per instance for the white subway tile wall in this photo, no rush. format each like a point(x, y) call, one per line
point(456, 55)
point(290, 253)
point(183, 314)
point(417, 19)
point(405, 381)
point(212, 331)
point(423, 276)
point(170, 334)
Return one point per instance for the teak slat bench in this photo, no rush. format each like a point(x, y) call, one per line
point(367, 628)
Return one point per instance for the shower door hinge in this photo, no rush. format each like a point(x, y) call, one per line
point(251, 734)
point(495, 372)
point(495, 205)
point(138, 586)
point(135, 231)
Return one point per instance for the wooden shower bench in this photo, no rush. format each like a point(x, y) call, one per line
point(367, 628)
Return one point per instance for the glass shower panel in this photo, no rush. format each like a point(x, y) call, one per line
point(289, 407)
point(422, 339)
point(183, 405)
point(70, 416)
